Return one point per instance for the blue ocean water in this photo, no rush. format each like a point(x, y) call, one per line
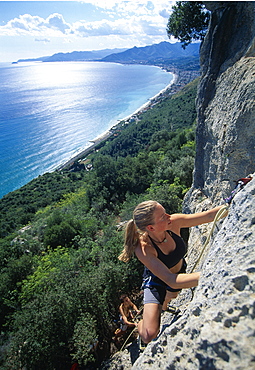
point(50, 111)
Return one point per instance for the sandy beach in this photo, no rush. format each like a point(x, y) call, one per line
point(86, 151)
point(105, 135)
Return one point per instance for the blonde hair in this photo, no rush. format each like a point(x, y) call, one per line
point(143, 216)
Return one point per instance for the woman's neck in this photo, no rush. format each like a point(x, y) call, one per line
point(158, 237)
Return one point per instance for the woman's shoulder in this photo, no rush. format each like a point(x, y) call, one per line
point(176, 222)
point(145, 247)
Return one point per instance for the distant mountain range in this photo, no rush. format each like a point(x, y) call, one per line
point(153, 53)
point(163, 50)
point(75, 56)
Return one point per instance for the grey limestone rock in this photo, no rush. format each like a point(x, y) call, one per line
point(216, 328)
point(227, 80)
point(225, 105)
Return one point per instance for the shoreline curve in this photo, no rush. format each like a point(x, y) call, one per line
point(106, 134)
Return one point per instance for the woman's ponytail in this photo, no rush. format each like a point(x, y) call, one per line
point(131, 241)
point(142, 217)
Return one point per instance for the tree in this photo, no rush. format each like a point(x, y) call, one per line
point(60, 230)
point(189, 21)
point(84, 339)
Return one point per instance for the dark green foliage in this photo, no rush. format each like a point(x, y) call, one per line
point(57, 299)
point(40, 331)
point(19, 207)
point(85, 327)
point(170, 114)
point(60, 230)
point(60, 276)
point(12, 274)
point(188, 21)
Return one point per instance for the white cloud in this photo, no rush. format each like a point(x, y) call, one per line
point(138, 8)
point(34, 25)
point(134, 25)
point(25, 23)
point(131, 4)
point(140, 19)
point(57, 22)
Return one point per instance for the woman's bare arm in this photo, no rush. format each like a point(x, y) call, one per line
point(180, 220)
point(158, 268)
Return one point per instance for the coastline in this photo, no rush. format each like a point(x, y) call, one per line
point(105, 135)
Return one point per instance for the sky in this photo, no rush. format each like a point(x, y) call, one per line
point(32, 29)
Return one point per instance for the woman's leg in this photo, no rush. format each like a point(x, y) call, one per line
point(149, 326)
point(168, 298)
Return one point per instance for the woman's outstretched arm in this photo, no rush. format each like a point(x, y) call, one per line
point(181, 220)
point(159, 269)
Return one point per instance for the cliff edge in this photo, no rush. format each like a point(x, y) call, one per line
point(225, 100)
point(216, 328)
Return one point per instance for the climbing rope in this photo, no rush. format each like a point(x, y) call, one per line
point(124, 344)
point(223, 211)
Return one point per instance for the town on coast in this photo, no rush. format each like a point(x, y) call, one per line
point(180, 79)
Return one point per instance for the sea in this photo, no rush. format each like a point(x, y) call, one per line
point(52, 111)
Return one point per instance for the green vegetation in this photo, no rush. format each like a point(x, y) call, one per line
point(188, 21)
point(60, 275)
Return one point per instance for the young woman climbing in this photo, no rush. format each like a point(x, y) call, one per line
point(154, 237)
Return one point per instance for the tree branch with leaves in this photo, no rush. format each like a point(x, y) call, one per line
point(189, 21)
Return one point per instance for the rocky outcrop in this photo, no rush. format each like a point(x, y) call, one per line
point(216, 328)
point(226, 106)
point(225, 101)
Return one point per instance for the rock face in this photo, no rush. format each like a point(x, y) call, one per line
point(217, 328)
point(225, 101)
point(226, 106)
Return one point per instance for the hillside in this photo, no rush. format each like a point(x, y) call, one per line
point(60, 276)
point(75, 56)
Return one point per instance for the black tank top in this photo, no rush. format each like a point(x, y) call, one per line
point(170, 259)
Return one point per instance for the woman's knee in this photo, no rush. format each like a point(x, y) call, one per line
point(150, 335)
point(147, 334)
point(149, 326)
